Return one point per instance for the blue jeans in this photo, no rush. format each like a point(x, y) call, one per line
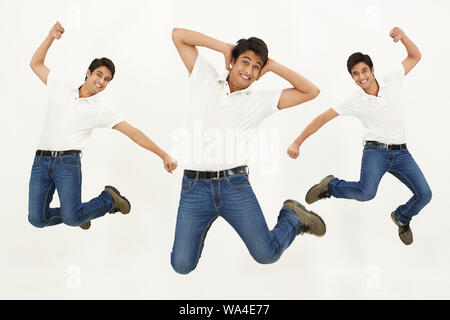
point(376, 161)
point(203, 200)
point(64, 175)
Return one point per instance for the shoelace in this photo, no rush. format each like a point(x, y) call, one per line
point(325, 194)
point(304, 228)
point(404, 228)
point(114, 209)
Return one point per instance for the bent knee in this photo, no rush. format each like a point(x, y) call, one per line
point(182, 266)
point(366, 195)
point(35, 221)
point(425, 196)
point(266, 257)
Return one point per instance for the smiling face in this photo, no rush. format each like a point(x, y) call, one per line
point(363, 76)
point(98, 80)
point(245, 70)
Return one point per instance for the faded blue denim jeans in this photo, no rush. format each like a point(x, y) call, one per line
point(376, 161)
point(64, 175)
point(231, 197)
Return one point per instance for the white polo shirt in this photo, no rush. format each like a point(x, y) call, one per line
point(71, 119)
point(382, 115)
point(221, 123)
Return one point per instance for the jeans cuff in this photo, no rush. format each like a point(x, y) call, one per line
point(403, 219)
point(107, 199)
point(331, 185)
point(291, 217)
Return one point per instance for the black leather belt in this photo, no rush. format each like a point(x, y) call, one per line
point(386, 146)
point(191, 174)
point(54, 154)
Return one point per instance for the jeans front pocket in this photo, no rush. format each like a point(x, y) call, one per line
point(187, 184)
point(36, 160)
point(71, 161)
point(238, 181)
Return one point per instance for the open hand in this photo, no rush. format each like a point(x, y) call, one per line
point(266, 68)
point(228, 56)
point(56, 31)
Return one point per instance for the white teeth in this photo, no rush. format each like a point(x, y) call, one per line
point(245, 77)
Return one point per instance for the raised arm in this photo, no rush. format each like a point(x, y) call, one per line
point(145, 142)
point(294, 149)
point(37, 63)
point(303, 90)
point(414, 54)
point(186, 42)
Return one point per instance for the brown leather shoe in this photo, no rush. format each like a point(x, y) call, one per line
point(404, 231)
point(121, 203)
point(86, 225)
point(310, 222)
point(319, 191)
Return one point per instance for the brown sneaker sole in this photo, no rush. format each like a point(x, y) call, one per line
point(120, 201)
point(316, 223)
point(314, 193)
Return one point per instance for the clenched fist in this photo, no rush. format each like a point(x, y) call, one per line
point(397, 34)
point(293, 150)
point(170, 163)
point(56, 31)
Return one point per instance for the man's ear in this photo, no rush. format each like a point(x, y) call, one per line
point(373, 70)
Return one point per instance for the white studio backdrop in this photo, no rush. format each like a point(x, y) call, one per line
point(129, 256)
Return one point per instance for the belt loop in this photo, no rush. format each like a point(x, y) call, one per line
point(196, 175)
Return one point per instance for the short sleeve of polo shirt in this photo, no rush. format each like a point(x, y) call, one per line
point(108, 118)
point(202, 72)
point(55, 82)
point(267, 101)
point(346, 107)
point(396, 77)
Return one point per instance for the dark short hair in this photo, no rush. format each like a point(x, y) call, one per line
point(97, 63)
point(356, 58)
point(254, 44)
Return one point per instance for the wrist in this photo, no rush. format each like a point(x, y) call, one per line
point(225, 47)
point(50, 38)
point(163, 155)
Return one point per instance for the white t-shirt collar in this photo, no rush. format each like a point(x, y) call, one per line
point(92, 99)
point(365, 95)
point(223, 79)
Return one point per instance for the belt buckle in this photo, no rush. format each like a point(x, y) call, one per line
point(217, 177)
point(54, 154)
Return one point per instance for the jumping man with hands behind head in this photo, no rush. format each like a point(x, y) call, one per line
point(219, 186)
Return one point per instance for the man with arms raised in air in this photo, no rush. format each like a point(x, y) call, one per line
point(73, 112)
point(378, 104)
